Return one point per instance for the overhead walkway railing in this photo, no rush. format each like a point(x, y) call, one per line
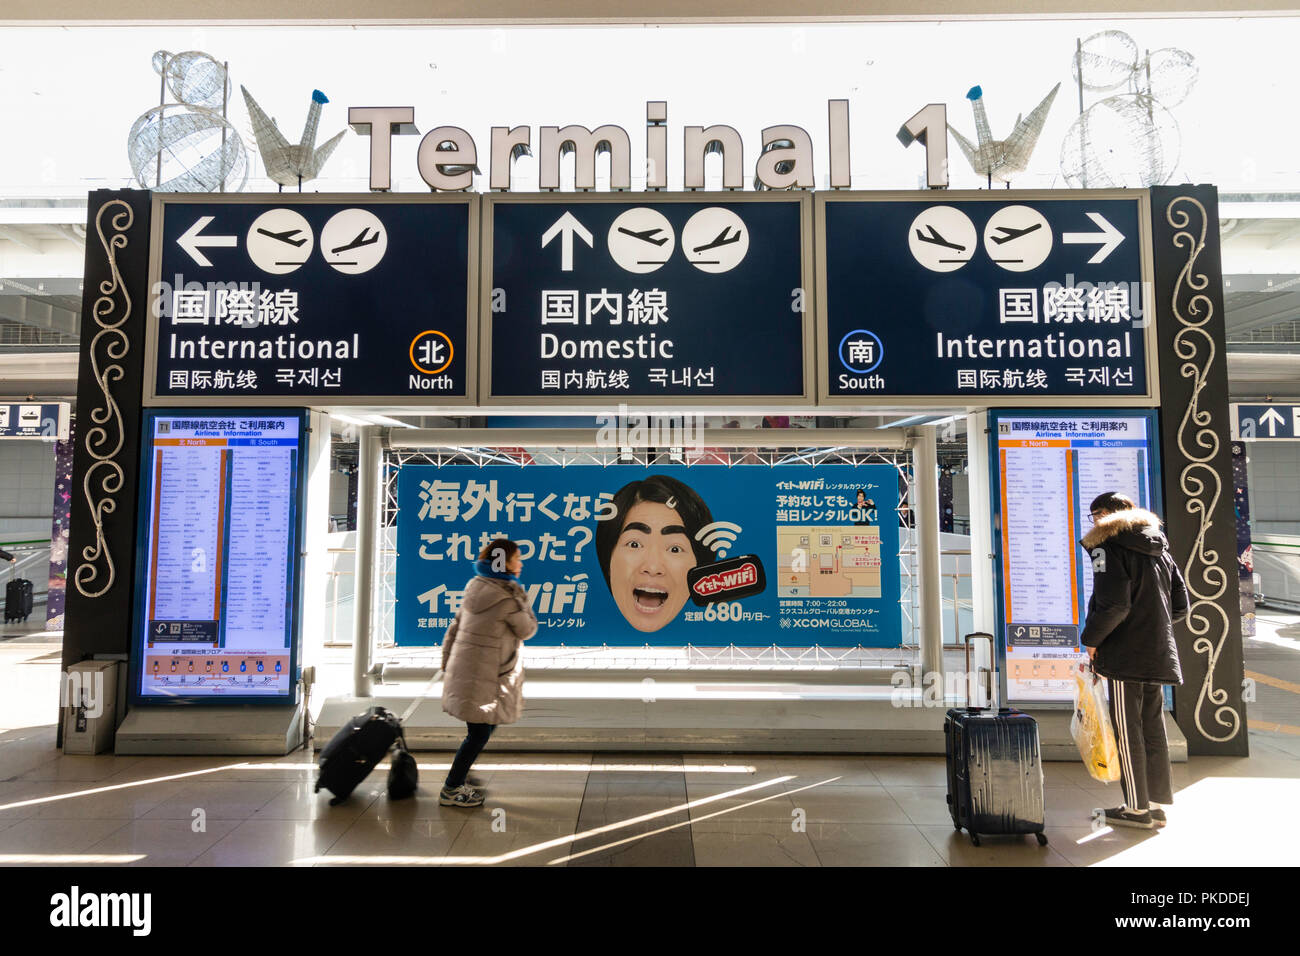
point(912, 450)
point(896, 439)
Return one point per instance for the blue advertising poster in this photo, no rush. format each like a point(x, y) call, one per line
point(786, 555)
point(601, 300)
point(993, 297)
point(303, 298)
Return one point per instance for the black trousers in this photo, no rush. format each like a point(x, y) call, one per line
point(475, 740)
point(1137, 713)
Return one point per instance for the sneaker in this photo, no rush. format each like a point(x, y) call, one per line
point(1158, 818)
point(1124, 817)
point(462, 796)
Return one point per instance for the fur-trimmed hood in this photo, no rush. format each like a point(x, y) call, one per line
point(1134, 528)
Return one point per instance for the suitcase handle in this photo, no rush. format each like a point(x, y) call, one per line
point(986, 670)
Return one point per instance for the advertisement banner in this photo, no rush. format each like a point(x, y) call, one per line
point(788, 555)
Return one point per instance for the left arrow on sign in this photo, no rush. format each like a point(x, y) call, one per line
point(566, 227)
point(190, 240)
point(1108, 239)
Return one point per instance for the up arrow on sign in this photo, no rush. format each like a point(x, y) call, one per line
point(1273, 419)
point(567, 226)
point(1108, 239)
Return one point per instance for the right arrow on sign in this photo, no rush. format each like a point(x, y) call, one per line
point(1273, 419)
point(1108, 239)
point(567, 226)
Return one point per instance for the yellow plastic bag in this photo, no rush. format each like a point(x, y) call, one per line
point(1091, 728)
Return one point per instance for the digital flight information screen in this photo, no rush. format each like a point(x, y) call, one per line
point(1048, 468)
point(217, 583)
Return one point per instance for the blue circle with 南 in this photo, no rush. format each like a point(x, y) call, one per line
point(880, 352)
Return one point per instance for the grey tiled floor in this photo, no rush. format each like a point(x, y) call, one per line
point(628, 809)
point(608, 810)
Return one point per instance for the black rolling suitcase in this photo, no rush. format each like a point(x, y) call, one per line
point(18, 600)
point(995, 773)
point(353, 752)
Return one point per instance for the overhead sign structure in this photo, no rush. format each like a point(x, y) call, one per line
point(48, 420)
point(650, 299)
point(218, 566)
point(1266, 422)
point(310, 298)
point(625, 555)
point(1048, 468)
point(985, 297)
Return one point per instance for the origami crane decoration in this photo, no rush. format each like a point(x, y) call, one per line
point(285, 163)
point(1002, 159)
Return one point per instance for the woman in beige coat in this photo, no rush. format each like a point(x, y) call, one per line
point(483, 671)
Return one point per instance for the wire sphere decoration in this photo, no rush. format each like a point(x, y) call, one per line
point(1129, 138)
point(188, 146)
point(194, 78)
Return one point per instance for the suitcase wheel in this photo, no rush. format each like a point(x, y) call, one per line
point(1042, 839)
point(974, 839)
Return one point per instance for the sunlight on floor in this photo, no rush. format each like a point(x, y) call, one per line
point(1223, 821)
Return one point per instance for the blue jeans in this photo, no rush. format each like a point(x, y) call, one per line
point(475, 740)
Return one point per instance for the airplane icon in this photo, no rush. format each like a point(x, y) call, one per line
point(937, 240)
point(285, 236)
point(358, 242)
point(720, 240)
point(646, 236)
point(1009, 233)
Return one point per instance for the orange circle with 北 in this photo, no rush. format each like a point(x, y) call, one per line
point(450, 352)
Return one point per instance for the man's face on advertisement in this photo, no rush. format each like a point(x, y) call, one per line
point(647, 571)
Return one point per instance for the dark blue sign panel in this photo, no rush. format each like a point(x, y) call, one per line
point(34, 420)
point(300, 298)
point(593, 300)
point(1266, 422)
point(787, 555)
point(1003, 297)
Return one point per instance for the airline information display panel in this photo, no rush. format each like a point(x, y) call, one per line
point(216, 618)
point(1048, 469)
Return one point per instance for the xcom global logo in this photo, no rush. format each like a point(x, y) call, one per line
point(861, 351)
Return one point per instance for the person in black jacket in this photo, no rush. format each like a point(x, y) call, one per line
point(1138, 595)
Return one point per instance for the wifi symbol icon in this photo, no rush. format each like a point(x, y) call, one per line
point(718, 537)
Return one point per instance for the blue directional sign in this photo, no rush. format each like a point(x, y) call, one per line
point(35, 420)
point(1266, 422)
point(307, 296)
point(1012, 297)
point(654, 298)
